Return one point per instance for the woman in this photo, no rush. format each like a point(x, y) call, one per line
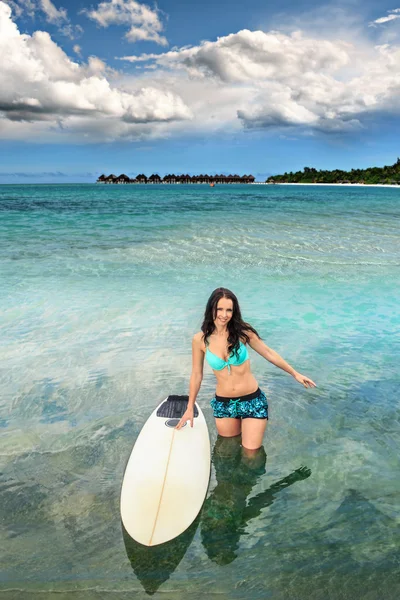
point(239, 405)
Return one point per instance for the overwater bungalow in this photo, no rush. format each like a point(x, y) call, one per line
point(169, 179)
point(154, 179)
point(173, 179)
point(110, 179)
point(123, 179)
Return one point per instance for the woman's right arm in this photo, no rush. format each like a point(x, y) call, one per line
point(195, 379)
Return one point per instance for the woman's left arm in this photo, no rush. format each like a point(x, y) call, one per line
point(273, 357)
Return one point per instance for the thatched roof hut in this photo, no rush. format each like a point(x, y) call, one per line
point(122, 178)
point(110, 179)
point(154, 178)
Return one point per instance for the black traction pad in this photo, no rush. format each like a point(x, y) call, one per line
point(174, 407)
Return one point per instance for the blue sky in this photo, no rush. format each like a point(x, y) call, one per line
point(178, 86)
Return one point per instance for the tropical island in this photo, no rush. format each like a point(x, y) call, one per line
point(389, 175)
point(172, 179)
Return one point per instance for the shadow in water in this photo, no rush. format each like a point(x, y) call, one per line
point(226, 513)
point(359, 527)
point(223, 518)
point(153, 565)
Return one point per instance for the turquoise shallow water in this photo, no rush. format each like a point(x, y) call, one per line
point(102, 288)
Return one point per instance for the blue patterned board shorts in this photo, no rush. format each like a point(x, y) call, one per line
point(254, 406)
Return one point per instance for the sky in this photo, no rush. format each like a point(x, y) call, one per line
point(183, 86)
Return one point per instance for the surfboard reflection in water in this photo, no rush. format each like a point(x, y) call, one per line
point(225, 513)
point(153, 565)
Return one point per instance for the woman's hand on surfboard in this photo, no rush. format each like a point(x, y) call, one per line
point(188, 416)
point(306, 381)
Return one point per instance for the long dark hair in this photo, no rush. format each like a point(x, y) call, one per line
point(237, 328)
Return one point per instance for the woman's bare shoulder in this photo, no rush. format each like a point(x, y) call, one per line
point(198, 339)
point(251, 335)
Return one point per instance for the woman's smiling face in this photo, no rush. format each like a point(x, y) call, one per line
point(224, 311)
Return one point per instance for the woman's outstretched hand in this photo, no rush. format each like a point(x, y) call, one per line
point(306, 381)
point(188, 416)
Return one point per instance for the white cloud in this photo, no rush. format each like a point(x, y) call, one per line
point(29, 6)
point(392, 16)
point(386, 19)
point(16, 8)
point(291, 80)
point(254, 56)
point(284, 79)
point(23, 6)
point(250, 80)
point(144, 22)
point(71, 31)
point(53, 14)
point(40, 83)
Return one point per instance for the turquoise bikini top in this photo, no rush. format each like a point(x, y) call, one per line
point(217, 363)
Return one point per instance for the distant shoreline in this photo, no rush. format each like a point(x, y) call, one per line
point(387, 176)
point(364, 185)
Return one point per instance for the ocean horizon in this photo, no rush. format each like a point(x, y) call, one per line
point(102, 289)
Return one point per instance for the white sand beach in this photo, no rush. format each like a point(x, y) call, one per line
point(331, 184)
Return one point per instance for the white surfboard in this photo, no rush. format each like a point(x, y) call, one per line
point(167, 475)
